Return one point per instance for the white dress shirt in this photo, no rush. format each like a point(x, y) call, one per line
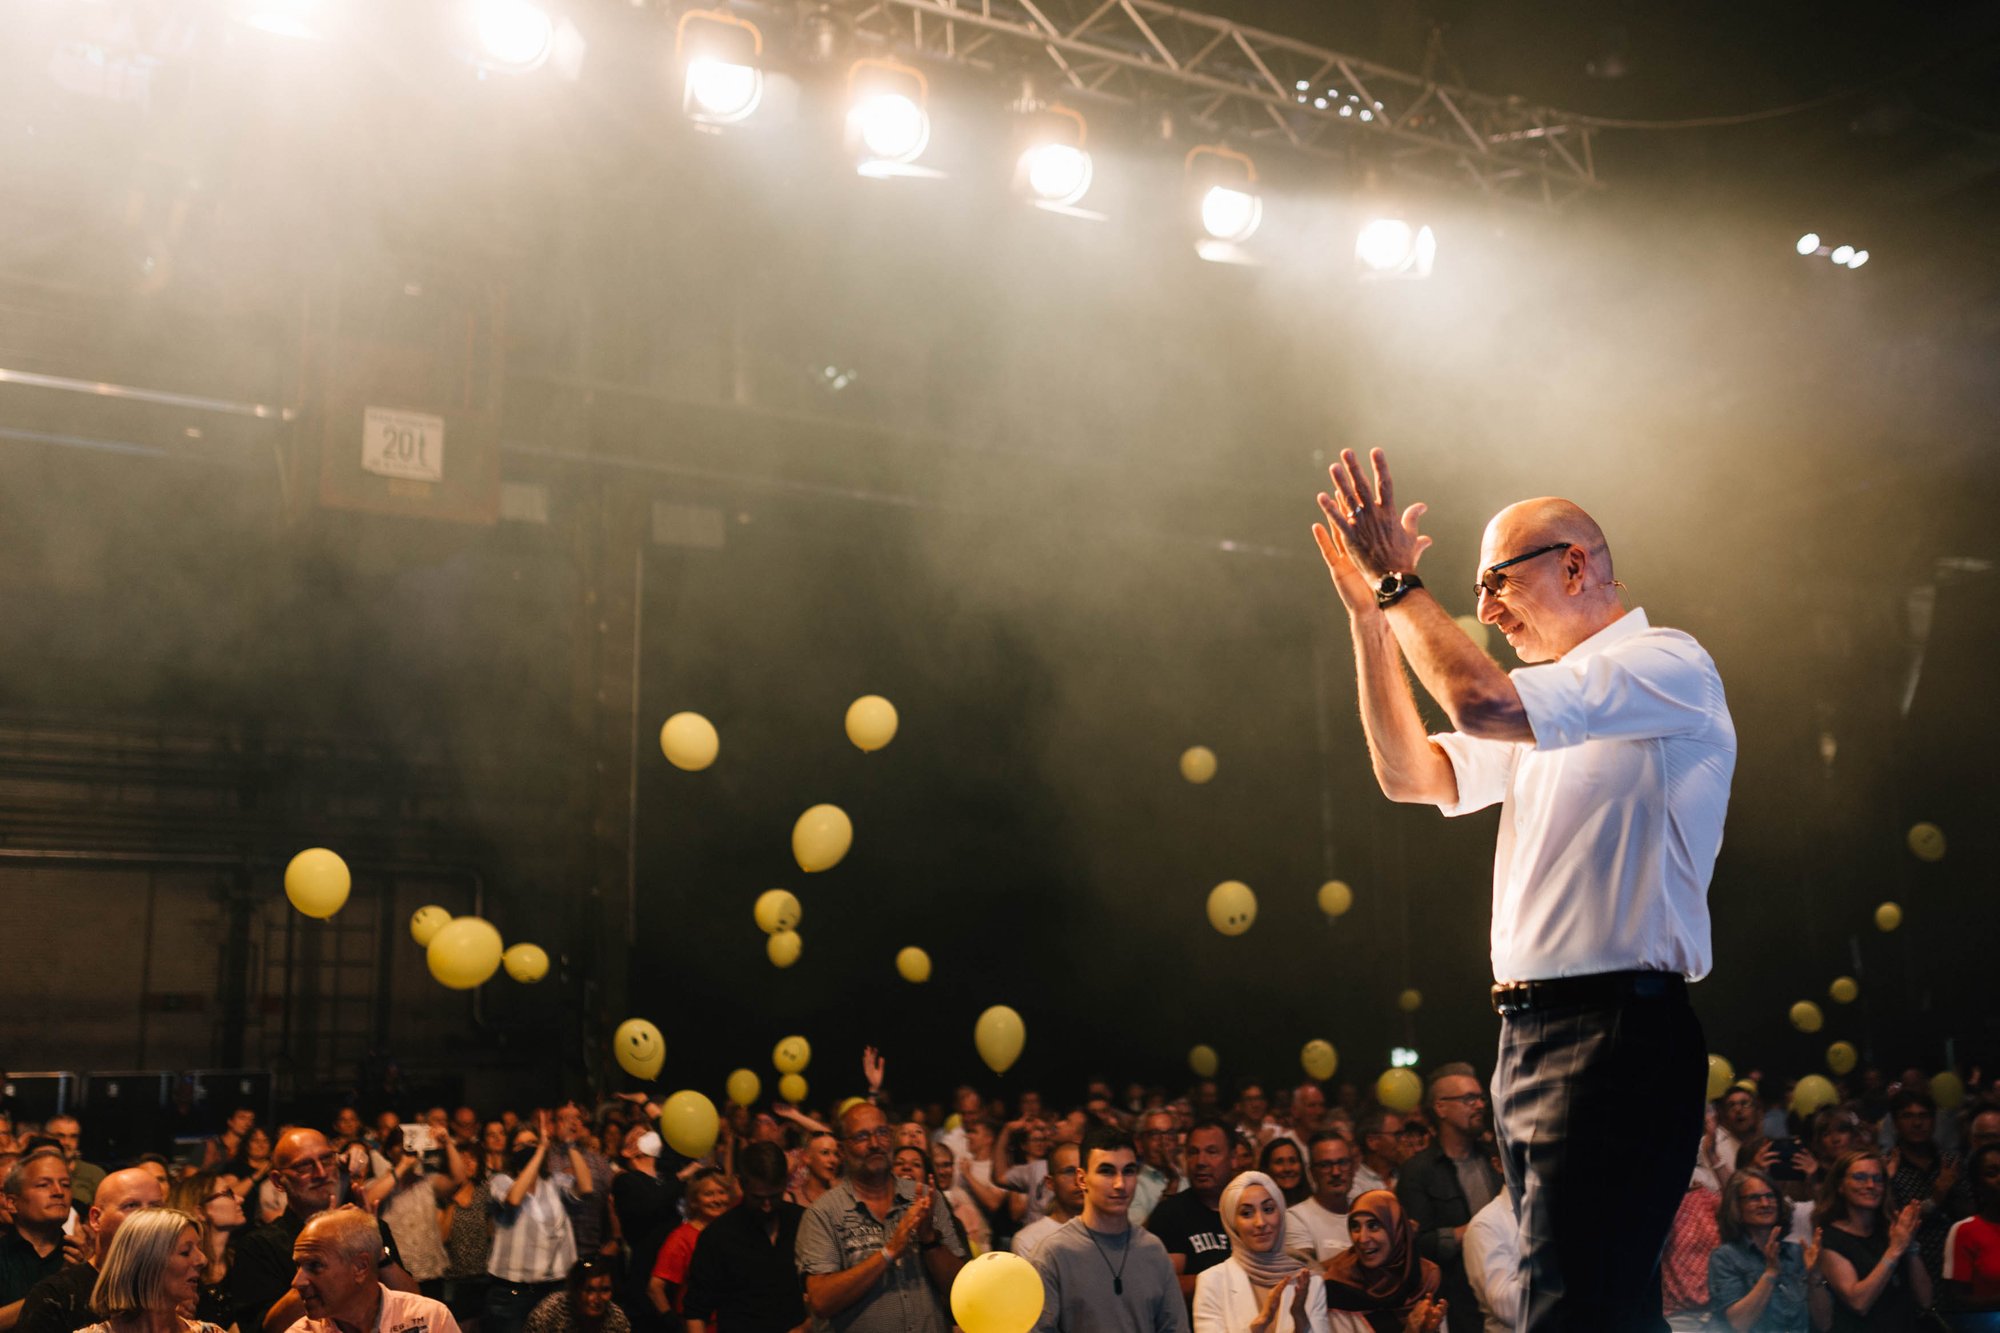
point(1611, 819)
point(1492, 1253)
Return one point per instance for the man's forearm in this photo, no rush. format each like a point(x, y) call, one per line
point(827, 1294)
point(1469, 685)
point(1406, 764)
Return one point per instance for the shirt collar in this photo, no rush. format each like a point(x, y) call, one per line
point(1632, 622)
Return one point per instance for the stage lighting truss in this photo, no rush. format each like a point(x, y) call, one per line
point(722, 79)
point(1846, 256)
point(888, 118)
point(1054, 170)
point(1222, 186)
point(1248, 86)
point(1392, 248)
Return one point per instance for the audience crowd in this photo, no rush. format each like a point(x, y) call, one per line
point(1269, 1212)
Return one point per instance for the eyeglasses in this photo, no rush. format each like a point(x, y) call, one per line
point(1866, 1177)
point(1466, 1098)
point(1340, 1164)
point(1757, 1198)
point(1414, 1132)
point(880, 1134)
point(1495, 583)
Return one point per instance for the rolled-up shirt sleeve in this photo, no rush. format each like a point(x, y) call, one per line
point(1633, 691)
point(1482, 767)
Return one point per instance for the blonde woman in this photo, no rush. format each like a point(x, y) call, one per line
point(150, 1278)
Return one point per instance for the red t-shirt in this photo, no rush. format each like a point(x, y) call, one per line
point(1972, 1256)
point(675, 1256)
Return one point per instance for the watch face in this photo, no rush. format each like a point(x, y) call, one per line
point(1388, 584)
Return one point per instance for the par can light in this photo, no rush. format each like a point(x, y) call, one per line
point(515, 36)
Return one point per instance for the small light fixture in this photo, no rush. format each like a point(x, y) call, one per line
point(721, 82)
point(1222, 184)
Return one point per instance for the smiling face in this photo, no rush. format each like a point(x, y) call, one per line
point(823, 1158)
point(1110, 1179)
point(1552, 601)
point(1332, 1173)
point(709, 1201)
point(1369, 1238)
point(1284, 1165)
point(1256, 1218)
point(1863, 1184)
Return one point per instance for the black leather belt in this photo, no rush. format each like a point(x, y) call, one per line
point(1598, 990)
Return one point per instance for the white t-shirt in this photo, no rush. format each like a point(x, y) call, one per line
point(1030, 1237)
point(1311, 1222)
point(1492, 1253)
point(1611, 819)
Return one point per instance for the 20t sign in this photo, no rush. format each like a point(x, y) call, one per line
point(407, 445)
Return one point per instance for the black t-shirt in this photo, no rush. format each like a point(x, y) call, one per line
point(743, 1280)
point(646, 1213)
point(1190, 1228)
point(1895, 1310)
point(21, 1268)
point(59, 1304)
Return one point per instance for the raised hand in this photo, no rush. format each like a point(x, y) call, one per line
point(1376, 539)
point(871, 1067)
point(1425, 1317)
point(1812, 1251)
point(1301, 1283)
point(1772, 1249)
point(1357, 594)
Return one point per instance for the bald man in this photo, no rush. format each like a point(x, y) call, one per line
point(61, 1304)
point(1610, 756)
point(338, 1280)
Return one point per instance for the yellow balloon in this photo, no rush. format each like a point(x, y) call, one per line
point(954, 1121)
point(1335, 898)
point(999, 1035)
point(1947, 1090)
point(1840, 1057)
point(1720, 1075)
point(1204, 1061)
point(821, 837)
point(1410, 1000)
point(913, 964)
point(1319, 1059)
point(1806, 1016)
point(792, 1088)
point(871, 722)
point(317, 882)
point(426, 922)
point(689, 741)
point(1844, 990)
point(639, 1048)
point(1231, 907)
point(1477, 630)
point(525, 962)
point(1887, 917)
point(1198, 764)
point(791, 1055)
point(783, 948)
point(1813, 1091)
point(1399, 1089)
point(1927, 841)
point(743, 1086)
point(841, 1109)
point(997, 1293)
point(777, 910)
point(464, 953)
point(689, 1124)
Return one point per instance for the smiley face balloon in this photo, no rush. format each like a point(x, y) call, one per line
point(1231, 907)
point(791, 1055)
point(640, 1048)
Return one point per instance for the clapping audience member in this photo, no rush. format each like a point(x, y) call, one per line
point(1380, 1282)
point(1262, 1285)
point(151, 1276)
point(1757, 1278)
point(645, 1200)
point(742, 1277)
point(1160, 1175)
point(465, 1222)
point(533, 1244)
point(1972, 1247)
point(1867, 1255)
point(585, 1303)
point(1283, 1162)
point(61, 1303)
point(1319, 1223)
point(707, 1200)
point(1922, 1173)
point(407, 1199)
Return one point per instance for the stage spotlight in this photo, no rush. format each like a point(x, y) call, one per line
point(1857, 259)
point(888, 127)
point(1223, 185)
point(514, 35)
point(721, 82)
point(1055, 169)
point(1841, 254)
point(1808, 243)
point(1403, 1057)
point(1392, 248)
point(297, 19)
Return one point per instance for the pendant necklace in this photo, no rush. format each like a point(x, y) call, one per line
point(1118, 1273)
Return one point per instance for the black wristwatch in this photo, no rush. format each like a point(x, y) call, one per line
point(1394, 587)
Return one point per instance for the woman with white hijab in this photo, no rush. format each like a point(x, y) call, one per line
point(1262, 1288)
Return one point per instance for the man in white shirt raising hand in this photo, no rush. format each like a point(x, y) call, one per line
point(1611, 761)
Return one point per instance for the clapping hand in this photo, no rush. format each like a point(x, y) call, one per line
point(1812, 1251)
point(1772, 1249)
point(1425, 1317)
point(1266, 1317)
point(899, 1239)
point(1903, 1229)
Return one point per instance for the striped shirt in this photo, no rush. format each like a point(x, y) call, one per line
point(532, 1242)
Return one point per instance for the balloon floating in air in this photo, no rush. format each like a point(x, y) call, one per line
point(1844, 990)
point(525, 962)
point(999, 1036)
point(791, 1055)
point(743, 1086)
point(1806, 1016)
point(1926, 841)
point(792, 1088)
point(1840, 1057)
point(689, 742)
point(426, 922)
point(1720, 1075)
point(777, 910)
point(317, 882)
point(871, 722)
point(821, 837)
point(913, 965)
point(1232, 906)
point(1399, 1089)
point(689, 1124)
point(783, 948)
point(1812, 1092)
point(1335, 898)
point(1204, 1061)
point(1887, 917)
point(1410, 1000)
point(639, 1048)
point(997, 1293)
point(464, 953)
point(1948, 1090)
point(1198, 764)
point(1319, 1059)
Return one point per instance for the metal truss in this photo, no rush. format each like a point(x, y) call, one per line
point(1247, 85)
